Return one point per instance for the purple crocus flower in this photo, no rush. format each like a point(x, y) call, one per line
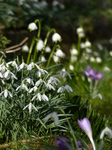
point(62, 142)
point(93, 74)
point(86, 127)
point(79, 144)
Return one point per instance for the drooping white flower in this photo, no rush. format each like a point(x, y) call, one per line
point(87, 44)
point(56, 37)
point(56, 58)
point(82, 45)
point(32, 65)
point(32, 26)
point(8, 74)
point(43, 59)
point(107, 131)
point(73, 59)
point(80, 32)
point(49, 86)
point(106, 69)
point(92, 59)
point(47, 49)
point(30, 106)
point(53, 80)
point(110, 53)
point(73, 51)
point(22, 86)
point(29, 80)
point(21, 66)
point(88, 50)
point(64, 73)
point(6, 93)
point(25, 48)
point(98, 60)
point(71, 67)
point(59, 53)
point(63, 88)
point(12, 63)
point(33, 89)
point(52, 115)
point(40, 45)
point(40, 97)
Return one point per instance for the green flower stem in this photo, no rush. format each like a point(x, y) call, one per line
point(47, 36)
point(51, 54)
point(30, 51)
point(71, 131)
point(38, 36)
point(78, 48)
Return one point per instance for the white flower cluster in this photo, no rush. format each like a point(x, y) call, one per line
point(34, 87)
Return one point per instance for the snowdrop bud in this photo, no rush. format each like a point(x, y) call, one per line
point(80, 32)
point(56, 59)
point(82, 45)
point(59, 53)
point(92, 59)
point(88, 50)
point(32, 26)
point(40, 45)
point(56, 37)
point(110, 53)
point(73, 51)
point(43, 59)
point(98, 60)
point(73, 59)
point(47, 49)
point(71, 67)
point(87, 44)
point(25, 48)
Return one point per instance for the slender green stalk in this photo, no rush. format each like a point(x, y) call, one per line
point(38, 36)
point(30, 51)
point(78, 48)
point(51, 54)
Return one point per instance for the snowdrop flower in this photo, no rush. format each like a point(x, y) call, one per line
point(107, 132)
point(106, 69)
point(71, 67)
point(30, 106)
point(63, 88)
point(73, 51)
point(40, 97)
point(59, 53)
point(29, 80)
point(73, 59)
point(80, 32)
point(22, 66)
point(22, 86)
point(56, 58)
point(92, 59)
point(56, 37)
point(42, 59)
point(49, 86)
point(88, 50)
point(86, 127)
point(40, 45)
point(52, 115)
point(12, 63)
point(98, 60)
point(53, 80)
point(82, 45)
point(64, 73)
point(47, 49)
point(33, 89)
point(39, 82)
point(32, 65)
point(25, 48)
point(32, 26)
point(87, 44)
point(110, 53)
point(6, 93)
point(96, 53)
point(8, 74)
